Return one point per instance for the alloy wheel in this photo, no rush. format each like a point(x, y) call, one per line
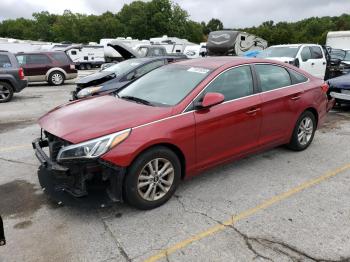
point(305, 131)
point(4, 92)
point(57, 79)
point(155, 179)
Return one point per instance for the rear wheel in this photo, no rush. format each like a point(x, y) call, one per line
point(56, 78)
point(6, 92)
point(153, 178)
point(304, 132)
point(81, 67)
point(88, 66)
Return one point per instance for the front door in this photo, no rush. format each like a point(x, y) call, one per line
point(230, 129)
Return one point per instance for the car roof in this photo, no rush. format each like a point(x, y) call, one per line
point(223, 61)
point(294, 45)
point(39, 52)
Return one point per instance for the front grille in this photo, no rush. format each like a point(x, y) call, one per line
point(55, 144)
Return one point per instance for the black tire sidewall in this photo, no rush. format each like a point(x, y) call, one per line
point(10, 88)
point(130, 186)
point(51, 75)
point(295, 144)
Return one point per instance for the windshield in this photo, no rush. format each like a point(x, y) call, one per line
point(280, 51)
point(338, 54)
point(123, 67)
point(167, 85)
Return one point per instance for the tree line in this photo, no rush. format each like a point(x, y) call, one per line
point(144, 20)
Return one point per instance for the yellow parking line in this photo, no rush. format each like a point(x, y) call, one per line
point(264, 205)
point(13, 148)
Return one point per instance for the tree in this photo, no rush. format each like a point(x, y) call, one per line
point(213, 25)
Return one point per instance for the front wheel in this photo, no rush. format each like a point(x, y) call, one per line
point(153, 178)
point(304, 132)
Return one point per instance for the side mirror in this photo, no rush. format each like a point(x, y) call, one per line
point(211, 99)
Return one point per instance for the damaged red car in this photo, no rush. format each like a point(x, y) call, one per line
point(176, 121)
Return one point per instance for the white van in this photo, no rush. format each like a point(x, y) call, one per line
point(309, 57)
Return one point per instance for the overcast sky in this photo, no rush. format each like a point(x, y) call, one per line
point(233, 13)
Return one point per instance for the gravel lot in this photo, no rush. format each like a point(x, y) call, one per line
point(275, 206)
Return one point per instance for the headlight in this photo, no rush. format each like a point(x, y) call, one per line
point(93, 148)
point(89, 91)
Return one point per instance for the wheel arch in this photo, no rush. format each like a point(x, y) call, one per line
point(173, 148)
point(314, 112)
point(53, 70)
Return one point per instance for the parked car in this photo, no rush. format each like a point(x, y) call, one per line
point(145, 50)
point(339, 88)
point(12, 79)
point(53, 67)
point(338, 65)
point(117, 76)
point(177, 121)
point(308, 57)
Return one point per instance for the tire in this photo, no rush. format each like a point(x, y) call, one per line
point(304, 132)
point(81, 67)
point(56, 78)
point(88, 67)
point(6, 92)
point(151, 194)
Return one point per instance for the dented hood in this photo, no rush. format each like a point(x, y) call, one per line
point(86, 119)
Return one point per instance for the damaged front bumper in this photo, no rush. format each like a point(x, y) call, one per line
point(79, 179)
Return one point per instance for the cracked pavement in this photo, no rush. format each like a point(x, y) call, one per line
point(312, 225)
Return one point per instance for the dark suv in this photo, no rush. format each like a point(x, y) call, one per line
point(12, 78)
point(53, 67)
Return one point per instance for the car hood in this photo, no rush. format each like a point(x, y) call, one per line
point(90, 118)
point(125, 51)
point(282, 59)
point(97, 78)
point(342, 82)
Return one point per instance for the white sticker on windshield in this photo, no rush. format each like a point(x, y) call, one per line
point(198, 70)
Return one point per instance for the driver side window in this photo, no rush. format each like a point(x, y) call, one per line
point(233, 84)
point(305, 54)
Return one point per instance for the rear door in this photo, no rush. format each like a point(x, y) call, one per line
point(280, 103)
point(229, 129)
point(34, 66)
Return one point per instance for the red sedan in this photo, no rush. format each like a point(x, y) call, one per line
point(175, 122)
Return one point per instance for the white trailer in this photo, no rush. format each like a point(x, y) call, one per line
point(235, 43)
point(339, 40)
point(86, 56)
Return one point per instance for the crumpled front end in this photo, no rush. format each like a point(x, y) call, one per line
point(77, 178)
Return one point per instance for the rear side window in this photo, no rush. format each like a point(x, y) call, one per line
point(272, 77)
point(233, 84)
point(297, 78)
point(5, 61)
point(38, 59)
point(22, 59)
point(305, 54)
point(316, 52)
point(61, 57)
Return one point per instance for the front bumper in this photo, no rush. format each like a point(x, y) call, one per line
point(79, 182)
point(341, 96)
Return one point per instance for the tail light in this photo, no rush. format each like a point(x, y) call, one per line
point(72, 67)
point(325, 88)
point(21, 73)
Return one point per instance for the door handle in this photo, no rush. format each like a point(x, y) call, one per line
point(294, 98)
point(312, 64)
point(324, 63)
point(253, 111)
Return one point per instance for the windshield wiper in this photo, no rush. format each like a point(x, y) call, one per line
point(137, 100)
